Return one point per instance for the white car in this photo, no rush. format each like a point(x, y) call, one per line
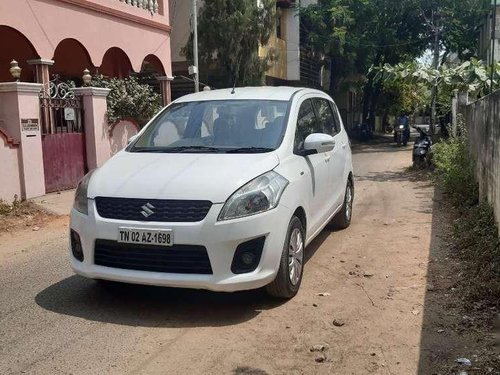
point(221, 190)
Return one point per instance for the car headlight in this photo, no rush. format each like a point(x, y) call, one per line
point(401, 126)
point(261, 194)
point(81, 203)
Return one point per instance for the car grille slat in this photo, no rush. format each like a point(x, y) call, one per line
point(163, 210)
point(139, 259)
point(186, 259)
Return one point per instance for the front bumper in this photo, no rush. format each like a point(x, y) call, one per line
point(220, 238)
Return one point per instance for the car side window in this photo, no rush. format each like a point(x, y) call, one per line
point(338, 119)
point(325, 116)
point(306, 124)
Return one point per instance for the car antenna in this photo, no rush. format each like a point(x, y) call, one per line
point(234, 86)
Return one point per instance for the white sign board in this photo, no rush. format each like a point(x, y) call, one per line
point(30, 125)
point(69, 114)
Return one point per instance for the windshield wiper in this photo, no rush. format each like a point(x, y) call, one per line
point(178, 149)
point(249, 150)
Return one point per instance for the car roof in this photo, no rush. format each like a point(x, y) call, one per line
point(282, 93)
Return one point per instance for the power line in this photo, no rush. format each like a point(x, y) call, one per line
point(40, 24)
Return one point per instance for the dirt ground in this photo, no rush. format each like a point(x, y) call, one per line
point(375, 299)
point(22, 215)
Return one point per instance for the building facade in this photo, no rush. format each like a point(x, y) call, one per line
point(50, 132)
point(489, 39)
point(295, 65)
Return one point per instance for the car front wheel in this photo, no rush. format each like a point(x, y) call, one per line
point(289, 277)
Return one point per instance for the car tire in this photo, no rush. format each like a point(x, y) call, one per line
point(342, 219)
point(287, 283)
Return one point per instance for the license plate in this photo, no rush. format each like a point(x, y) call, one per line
point(146, 236)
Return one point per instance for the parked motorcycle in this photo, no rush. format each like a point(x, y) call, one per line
point(362, 132)
point(422, 149)
point(401, 135)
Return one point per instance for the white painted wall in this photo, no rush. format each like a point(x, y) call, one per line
point(180, 20)
point(292, 28)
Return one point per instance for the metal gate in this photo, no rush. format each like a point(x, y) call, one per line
point(63, 141)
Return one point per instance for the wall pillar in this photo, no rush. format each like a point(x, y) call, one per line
point(42, 66)
point(20, 112)
point(97, 142)
point(166, 90)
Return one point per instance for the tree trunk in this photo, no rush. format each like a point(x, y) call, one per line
point(368, 97)
point(377, 91)
point(334, 79)
point(385, 121)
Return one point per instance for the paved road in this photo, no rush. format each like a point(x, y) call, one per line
point(52, 322)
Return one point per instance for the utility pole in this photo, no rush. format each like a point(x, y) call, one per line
point(493, 40)
point(196, 72)
point(435, 64)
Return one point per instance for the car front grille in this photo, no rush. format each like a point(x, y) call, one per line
point(157, 210)
point(186, 259)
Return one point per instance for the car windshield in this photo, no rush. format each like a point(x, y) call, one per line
point(219, 126)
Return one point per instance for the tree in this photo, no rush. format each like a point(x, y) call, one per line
point(470, 76)
point(230, 33)
point(355, 34)
point(457, 21)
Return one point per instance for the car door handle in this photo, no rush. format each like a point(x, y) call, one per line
point(327, 157)
point(343, 145)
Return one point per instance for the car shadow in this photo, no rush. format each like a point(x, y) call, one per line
point(316, 244)
point(151, 306)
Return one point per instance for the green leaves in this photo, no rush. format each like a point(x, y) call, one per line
point(471, 76)
point(230, 33)
point(128, 98)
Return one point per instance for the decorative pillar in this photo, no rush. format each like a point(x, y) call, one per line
point(42, 66)
point(97, 142)
point(166, 90)
point(20, 110)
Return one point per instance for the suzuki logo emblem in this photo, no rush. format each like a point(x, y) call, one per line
point(147, 210)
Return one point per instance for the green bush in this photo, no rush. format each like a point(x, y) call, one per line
point(454, 169)
point(128, 98)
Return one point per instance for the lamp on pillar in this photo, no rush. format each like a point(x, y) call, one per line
point(15, 70)
point(87, 78)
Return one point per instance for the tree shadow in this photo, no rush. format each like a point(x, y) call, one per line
point(435, 345)
point(447, 334)
point(381, 143)
point(403, 175)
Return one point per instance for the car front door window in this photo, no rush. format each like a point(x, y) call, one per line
point(326, 118)
point(307, 123)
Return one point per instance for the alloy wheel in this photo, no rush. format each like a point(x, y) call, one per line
point(295, 256)
point(348, 202)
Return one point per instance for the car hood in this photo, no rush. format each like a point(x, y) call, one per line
point(211, 177)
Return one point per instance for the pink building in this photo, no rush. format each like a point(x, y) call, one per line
point(51, 135)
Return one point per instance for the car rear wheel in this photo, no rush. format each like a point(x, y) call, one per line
point(343, 218)
point(289, 277)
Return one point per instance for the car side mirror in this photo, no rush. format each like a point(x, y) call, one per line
point(318, 143)
point(131, 139)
